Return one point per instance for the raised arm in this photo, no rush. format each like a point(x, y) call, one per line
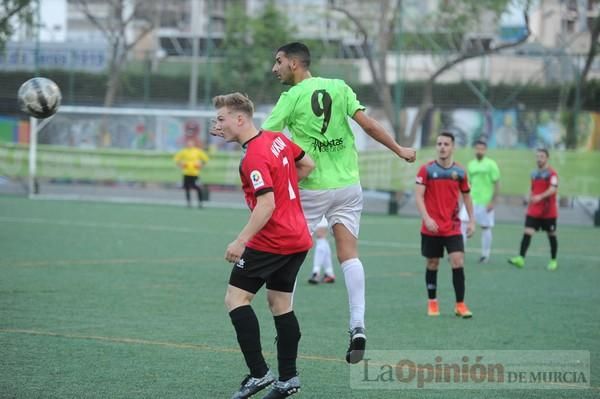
point(378, 133)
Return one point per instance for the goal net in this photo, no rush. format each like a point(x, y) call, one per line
point(121, 154)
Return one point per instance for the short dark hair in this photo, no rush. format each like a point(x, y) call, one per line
point(447, 134)
point(545, 151)
point(298, 50)
point(480, 142)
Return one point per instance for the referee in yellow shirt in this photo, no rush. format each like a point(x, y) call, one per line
point(190, 160)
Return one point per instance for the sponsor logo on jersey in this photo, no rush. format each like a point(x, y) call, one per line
point(257, 179)
point(332, 145)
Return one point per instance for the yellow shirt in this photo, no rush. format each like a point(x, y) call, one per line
point(191, 160)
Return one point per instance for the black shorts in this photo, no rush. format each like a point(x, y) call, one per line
point(256, 268)
point(190, 181)
point(548, 225)
point(433, 246)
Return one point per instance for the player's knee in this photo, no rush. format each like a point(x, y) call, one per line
point(344, 254)
point(279, 304)
point(233, 300)
point(433, 263)
point(457, 260)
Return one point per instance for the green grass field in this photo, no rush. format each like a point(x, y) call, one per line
point(123, 301)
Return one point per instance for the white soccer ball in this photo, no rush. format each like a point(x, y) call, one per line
point(39, 97)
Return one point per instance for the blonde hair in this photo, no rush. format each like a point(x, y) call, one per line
point(236, 102)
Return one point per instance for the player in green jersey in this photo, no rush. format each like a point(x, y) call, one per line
point(484, 176)
point(317, 111)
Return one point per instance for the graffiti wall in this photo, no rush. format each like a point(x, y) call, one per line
point(513, 128)
point(510, 128)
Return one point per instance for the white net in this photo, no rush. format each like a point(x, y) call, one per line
point(121, 154)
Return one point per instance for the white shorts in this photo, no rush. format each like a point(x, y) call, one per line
point(338, 205)
point(322, 224)
point(482, 216)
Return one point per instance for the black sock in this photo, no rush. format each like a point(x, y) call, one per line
point(248, 335)
point(288, 335)
point(431, 281)
point(458, 279)
point(187, 195)
point(199, 193)
point(525, 244)
point(553, 246)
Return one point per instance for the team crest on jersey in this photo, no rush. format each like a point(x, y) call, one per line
point(257, 179)
point(454, 175)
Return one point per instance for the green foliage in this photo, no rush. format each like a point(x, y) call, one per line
point(444, 29)
point(248, 50)
point(10, 10)
point(464, 16)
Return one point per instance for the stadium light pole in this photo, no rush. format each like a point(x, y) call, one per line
point(208, 77)
point(393, 200)
point(33, 122)
point(208, 69)
point(38, 26)
point(398, 86)
point(193, 92)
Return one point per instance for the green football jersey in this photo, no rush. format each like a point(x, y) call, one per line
point(316, 112)
point(483, 175)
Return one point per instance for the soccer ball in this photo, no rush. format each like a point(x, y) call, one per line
point(39, 97)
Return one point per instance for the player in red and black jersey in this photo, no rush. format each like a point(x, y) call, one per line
point(440, 183)
point(272, 246)
point(542, 211)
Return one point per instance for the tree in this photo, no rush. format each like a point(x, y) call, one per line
point(593, 50)
point(249, 47)
point(9, 10)
point(451, 22)
point(116, 26)
point(570, 115)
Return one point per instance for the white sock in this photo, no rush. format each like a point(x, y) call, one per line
point(486, 242)
point(326, 252)
point(354, 275)
point(322, 256)
point(463, 231)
